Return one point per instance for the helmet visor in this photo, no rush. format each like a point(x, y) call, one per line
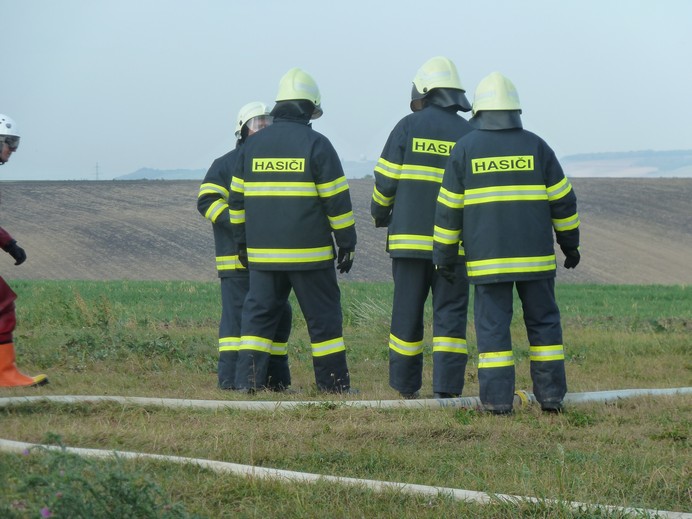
point(12, 142)
point(257, 123)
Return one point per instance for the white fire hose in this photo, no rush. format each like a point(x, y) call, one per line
point(521, 398)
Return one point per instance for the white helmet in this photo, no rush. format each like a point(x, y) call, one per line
point(9, 134)
point(438, 72)
point(297, 84)
point(496, 92)
point(8, 126)
point(256, 114)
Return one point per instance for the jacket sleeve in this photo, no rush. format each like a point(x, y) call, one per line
point(236, 200)
point(387, 173)
point(449, 211)
point(334, 194)
point(212, 200)
point(563, 202)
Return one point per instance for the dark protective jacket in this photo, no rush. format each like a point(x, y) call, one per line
point(289, 195)
point(212, 203)
point(408, 176)
point(506, 192)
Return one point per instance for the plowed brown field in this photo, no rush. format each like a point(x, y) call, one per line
point(634, 231)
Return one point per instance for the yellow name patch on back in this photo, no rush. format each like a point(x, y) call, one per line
point(278, 165)
point(502, 164)
point(432, 146)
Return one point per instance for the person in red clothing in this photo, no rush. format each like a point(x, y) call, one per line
point(10, 376)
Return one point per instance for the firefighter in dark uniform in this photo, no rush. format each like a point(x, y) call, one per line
point(407, 180)
point(505, 190)
point(10, 376)
point(289, 201)
point(212, 203)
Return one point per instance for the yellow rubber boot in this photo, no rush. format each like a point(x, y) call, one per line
point(10, 376)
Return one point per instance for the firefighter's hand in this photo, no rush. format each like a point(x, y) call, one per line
point(383, 222)
point(242, 254)
point(16, 252)
point(572, 257)
point(345, 260)
point(447, 272)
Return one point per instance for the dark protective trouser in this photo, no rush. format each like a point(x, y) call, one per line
point(8, 316)
point(319, 298)
point(413, 280)
point(493, 316)
point(234, 289)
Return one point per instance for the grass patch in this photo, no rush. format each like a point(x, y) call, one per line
point(159, 340)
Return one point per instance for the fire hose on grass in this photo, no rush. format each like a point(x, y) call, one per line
point(522, 398)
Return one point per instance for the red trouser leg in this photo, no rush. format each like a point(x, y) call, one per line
point(8, 317)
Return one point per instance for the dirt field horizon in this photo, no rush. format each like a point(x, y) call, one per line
point(634, 231)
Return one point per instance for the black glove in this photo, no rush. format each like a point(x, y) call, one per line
point(242, 254)
point(572, 257)
point(345, 260)
point(383, 222)
point(16, 252)
point(447, 272)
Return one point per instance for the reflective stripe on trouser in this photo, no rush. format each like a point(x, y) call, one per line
point(542, 320)
point(319, 298)
point(493, 315)
point(413, 280)
point(492, 309)
point(234, 288)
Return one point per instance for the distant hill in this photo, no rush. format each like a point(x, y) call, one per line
point(632, 164)
point(163, 174)
point(353, 169)
point(637, 164)
point(634, 231)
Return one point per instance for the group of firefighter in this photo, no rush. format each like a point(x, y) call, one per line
point(478, 201)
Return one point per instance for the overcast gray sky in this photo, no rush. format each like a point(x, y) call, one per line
point(158, 83)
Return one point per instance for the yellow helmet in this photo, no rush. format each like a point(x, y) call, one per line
point(496, 92)
point(297, 84)
point(253, 110)
point(437, 72)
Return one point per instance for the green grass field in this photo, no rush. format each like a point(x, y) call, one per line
point(158, 339)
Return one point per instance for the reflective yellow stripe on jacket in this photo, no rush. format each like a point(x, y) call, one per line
point(450, 199)
point(510, 265)
point(410, 241)
point(388, 169)
point(256, 255)
point(416, 172)
point(332, 188)
point(280, 189)
point(485, 195)
point(228, 263)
